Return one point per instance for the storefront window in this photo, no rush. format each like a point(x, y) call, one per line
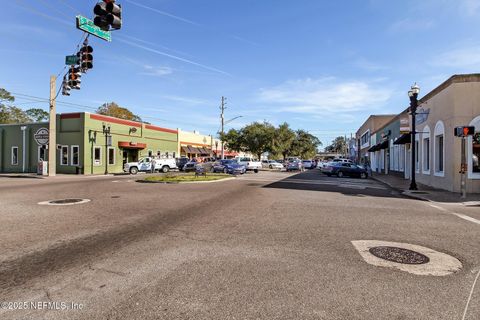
point(439, 153)
point(14, 156)
point(97, 156)
point(64, 156)
point(476, 152)
point(426, 154)
point(75, 156)
point(111, 155)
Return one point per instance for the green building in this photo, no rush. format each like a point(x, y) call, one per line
point(86, 143)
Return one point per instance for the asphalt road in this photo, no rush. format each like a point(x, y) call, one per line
point(271, 245)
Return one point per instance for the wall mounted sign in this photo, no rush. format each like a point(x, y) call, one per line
point(422, 115)
point(41, 136)
point(404, 125)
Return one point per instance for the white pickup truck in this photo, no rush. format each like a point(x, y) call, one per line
point(249, 163)
point(145, 165)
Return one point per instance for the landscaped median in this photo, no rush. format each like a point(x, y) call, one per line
point(186, 178)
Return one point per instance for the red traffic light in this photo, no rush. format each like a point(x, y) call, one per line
point(464, 131)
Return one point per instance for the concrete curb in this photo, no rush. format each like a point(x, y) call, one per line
point(405, 193)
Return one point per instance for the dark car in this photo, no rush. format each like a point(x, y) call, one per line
point(308, 164)
point(190, 166)
point(342, 169)
point(294, 165)
point(229, 166)
point(181, 163)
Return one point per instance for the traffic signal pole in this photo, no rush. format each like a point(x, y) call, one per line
point(52, 131)
point(463, 176)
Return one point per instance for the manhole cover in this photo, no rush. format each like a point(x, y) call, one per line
point(399, 255)
point(64, 202)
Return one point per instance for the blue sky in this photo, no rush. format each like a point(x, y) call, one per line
point(322, 66)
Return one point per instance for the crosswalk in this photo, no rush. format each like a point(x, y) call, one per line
point(350, 183)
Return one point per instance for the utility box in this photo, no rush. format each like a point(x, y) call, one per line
point(42, 168)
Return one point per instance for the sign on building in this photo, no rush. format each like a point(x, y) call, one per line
point(404, 125)
point(41, 136)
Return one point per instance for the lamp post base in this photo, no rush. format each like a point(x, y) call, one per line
point(413, 186)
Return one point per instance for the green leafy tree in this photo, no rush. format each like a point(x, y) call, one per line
point(11, 114)
point(338, 145)
point(37, 115)
point(282, 140)
point(257, 138)
point(232, 140)
point(114, 110)
point(305, 145)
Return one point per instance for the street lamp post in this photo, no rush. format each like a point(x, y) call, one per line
point(216, 149)
point(106, 132)
point(413, 95)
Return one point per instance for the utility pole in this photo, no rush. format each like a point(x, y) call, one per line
point(222, 118)
point(52, 131)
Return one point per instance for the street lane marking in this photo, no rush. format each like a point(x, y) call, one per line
point(470, 296)
point(460, 215)
point(440, 264)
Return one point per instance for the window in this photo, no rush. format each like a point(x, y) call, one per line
point(158, 153)
point(111, 155)
point(64, 156)
point(166, 154)
point(473, 147)
point(75, 155)
point(14, 156)
point(97, 156)
point(426, 150)
point(150, 153)
point(173, 155)
point(417, 156)
point(42, 153)
point(365, 139)
point(439, 149)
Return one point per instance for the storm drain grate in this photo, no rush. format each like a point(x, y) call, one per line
point(399, 255)
point(64, 202)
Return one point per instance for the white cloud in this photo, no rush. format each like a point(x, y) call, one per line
point(459, 58)
point(409, 24)
point(317, 96)
point(156, 71)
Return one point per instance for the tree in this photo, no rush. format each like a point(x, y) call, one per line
point(257, 138)
point(232, 140)
point(114, 110)
point(338, 145)
point(305, 145)
point(37, 115)
point(282, 140)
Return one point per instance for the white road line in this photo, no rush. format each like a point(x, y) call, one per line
point(470, 296)
point(461, 216)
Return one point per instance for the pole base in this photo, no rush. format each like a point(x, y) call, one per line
point(413, 186)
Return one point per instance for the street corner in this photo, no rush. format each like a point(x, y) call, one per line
point(407, 257)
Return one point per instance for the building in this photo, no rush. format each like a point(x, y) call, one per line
point(193, 144)
point(454, 103)
point(83, 146)
point(364, 135)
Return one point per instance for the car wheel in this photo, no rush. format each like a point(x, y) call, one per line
point(339, 174)
point(225, 170)
point(363, 175)
point(212, 170)
point(165, 169)
point(133, 170)
point(270, 167)
point(329, 174)
point(255, 170)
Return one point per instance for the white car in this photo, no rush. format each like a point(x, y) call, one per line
point(271, 164)
point(249, 163)
point(145, 165)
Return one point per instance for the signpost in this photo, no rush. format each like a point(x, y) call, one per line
point(71, 60)
point(87, 25)
point(463, 132)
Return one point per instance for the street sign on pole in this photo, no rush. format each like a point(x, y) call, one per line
point(87, 25)
point(71, 60)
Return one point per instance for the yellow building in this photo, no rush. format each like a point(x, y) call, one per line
point(193, 144)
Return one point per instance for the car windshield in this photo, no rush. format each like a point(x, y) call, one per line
point(227, 162)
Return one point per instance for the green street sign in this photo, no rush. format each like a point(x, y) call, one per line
point(88, 26)
point(71, 60)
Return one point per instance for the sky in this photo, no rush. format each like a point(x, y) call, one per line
point(322, 66)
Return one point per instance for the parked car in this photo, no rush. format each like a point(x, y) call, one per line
point(343, 160)
point(308, 164)
point(181, 162)
point(250, 163)
point(294, 165)
point(328, 167)
point(341, 169)
point(145, 165)
point(271, 164)
point(228, 166)
point(190, 165)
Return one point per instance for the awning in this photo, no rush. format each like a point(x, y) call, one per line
point(383, 145)
point(403, 139)
point(373, 149)
point(190, 149)
point(131, 145)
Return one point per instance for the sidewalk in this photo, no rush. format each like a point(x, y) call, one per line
point(424, 192)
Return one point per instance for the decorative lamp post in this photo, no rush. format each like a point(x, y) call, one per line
point(216, 149)
point(413, 95)
point(106, 132)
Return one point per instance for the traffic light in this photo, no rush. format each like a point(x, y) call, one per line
point(464, 131)
point(85, 57)
point(108, 14)
point(74, 75)
point(65, 87)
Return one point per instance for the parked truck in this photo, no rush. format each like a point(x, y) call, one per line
point(145, 165)
point(249, 163)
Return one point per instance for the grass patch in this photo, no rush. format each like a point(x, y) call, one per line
point(187, 177)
